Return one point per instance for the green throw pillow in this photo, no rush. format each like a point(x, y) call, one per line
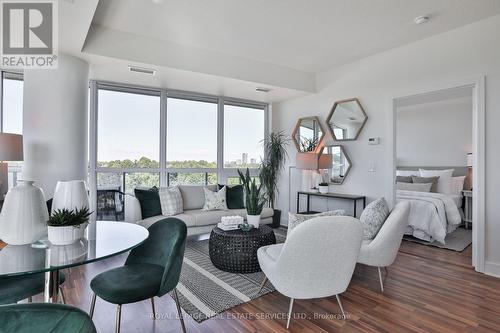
point(234, 196)
point(149, 201)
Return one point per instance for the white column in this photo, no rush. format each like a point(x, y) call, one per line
point(55, 125)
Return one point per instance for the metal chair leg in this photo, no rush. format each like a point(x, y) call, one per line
point(289, 313)
point(262, 284)
point(63, 298)
point(153, 307)
point(118, 317)
point(340, 305)
point(380, 278)
point(92, 306)
point(179, 311)
point(30, 299)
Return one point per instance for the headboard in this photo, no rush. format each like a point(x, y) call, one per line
point(457, 170)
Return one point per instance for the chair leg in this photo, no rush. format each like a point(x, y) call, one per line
point(289, 313)
point(262, 284)
point(118, 317)
point(179, 311)
point(30, 299)
point(63, 298)
point(153, 307)
point(380, 278)
point(340, 305)
point(92, 306)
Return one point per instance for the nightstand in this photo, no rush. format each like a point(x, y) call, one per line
point(467, 207)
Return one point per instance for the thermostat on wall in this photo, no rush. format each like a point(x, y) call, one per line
point(373, 141)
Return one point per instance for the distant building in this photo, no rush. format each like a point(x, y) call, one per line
point(244, 158)
point(253, 161)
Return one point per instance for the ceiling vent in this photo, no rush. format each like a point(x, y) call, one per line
point(262, 89)
point(142, 70)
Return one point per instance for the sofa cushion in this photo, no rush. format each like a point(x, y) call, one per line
point(215, 200)
point(186, 218)
point(234, 196)
point(171, 201)
point(193, 196)
point(149, 201)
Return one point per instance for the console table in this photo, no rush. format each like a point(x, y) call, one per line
point(351, 197)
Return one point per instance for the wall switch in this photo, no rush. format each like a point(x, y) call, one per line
point(371, 167)
point(374, 141)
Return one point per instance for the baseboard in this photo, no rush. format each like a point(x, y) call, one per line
point(492, 268)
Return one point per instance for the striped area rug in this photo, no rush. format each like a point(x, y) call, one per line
point(205, 291)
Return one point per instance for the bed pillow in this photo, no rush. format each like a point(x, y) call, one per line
point(171, 201)
point(215, 200)
point(149, 200)
point(444, 182)
point(373, 217)
point(422, 187)
point(457, 185)
point(403, 179)
point(407, 173)
point(295, 219)
point(427, 180)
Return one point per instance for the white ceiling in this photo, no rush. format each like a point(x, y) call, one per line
point(282, 44)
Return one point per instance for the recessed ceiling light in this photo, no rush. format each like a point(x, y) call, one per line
point(422, 19)
point(262, 89)
point(142, 70)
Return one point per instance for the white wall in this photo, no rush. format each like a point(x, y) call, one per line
point(434, 134)
point(425, 65)
point(55, 124)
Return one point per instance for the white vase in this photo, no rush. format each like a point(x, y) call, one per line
point(253, 220)
point(323, 189)
point(24, 214)
point(66, 235)
point(70, 195)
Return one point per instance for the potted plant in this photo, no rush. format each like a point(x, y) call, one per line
point(323, 188)
point(254, 198)
point(67, 226)
point(271, 168)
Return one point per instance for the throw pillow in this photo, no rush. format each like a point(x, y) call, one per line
point(426, 180)
point(234, 196)
point(404, 179)
point(457, 185)
point(215, 200)
point(295, 219)
point(444, 182)
point(171, 201)
point(424, 187)
point(149, 200)
point(407, 173)
point(373, 217)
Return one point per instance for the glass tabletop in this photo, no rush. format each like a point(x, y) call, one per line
point(112, 238)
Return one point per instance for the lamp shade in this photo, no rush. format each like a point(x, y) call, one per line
point(11, 147)
point(307, 161)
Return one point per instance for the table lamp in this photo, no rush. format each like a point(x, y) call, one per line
point(11, 149)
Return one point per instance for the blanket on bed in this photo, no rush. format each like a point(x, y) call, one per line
point(432, 215)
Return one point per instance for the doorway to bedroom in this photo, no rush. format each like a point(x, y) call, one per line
point(434, 148)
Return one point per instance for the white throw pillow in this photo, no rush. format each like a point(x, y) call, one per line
point(416, 187)
point(407, 173)
point(457, 185)
point(444, 182)
point(215, 200)
point(296, 219)
point(373, 217)
point(170, 200)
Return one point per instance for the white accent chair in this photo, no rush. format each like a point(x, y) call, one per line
point(317, 259)
point(383, 249)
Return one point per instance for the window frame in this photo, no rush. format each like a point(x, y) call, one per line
point(10, 75)
point(222, 172)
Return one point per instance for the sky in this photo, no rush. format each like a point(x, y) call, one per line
point(12, 106)
point(129, 127)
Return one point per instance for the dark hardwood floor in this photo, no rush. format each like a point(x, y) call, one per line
point(427, 290)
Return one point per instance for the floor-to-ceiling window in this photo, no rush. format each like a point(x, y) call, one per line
point(142, 137)
point(11, 113)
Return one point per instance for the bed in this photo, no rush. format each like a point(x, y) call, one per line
point(433, 215)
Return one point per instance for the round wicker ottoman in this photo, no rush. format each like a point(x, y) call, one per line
point(235, 251)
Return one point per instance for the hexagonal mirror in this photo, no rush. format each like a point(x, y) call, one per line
point(346, 119)
point(335, 163)
point(308, 134)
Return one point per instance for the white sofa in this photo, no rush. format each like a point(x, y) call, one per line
point(197, 220)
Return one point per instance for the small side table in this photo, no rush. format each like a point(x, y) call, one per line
point(467, 207)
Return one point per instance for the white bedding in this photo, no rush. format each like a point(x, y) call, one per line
point(432, 215)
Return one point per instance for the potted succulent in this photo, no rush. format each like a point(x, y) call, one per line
point(271, 168)
point(67, 226)
point(254, 199)
point(323, 188)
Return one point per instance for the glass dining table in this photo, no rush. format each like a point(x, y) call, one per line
point(111, 239)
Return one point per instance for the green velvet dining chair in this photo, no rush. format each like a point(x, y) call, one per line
point(44, 318)
point(151, 269)
point(18, 287)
